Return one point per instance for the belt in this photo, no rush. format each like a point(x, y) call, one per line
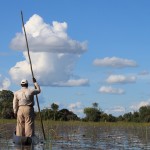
point(27, 105)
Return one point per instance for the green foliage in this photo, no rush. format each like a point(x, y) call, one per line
point(104, 117)
point(46, 114)
point(120, 118)
point(95, 105)
point(96, 114)
point(55, 109)
point(111, 118)
point(66, 115)
point(136, 117)
point(6, 104)
point(142, 116)
point(128, 116)
point(93, 113)
point(63, 114)
point(144, 112)
point(6, 95)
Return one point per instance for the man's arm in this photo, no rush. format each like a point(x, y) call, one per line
point(15, 104)
point(37, 87)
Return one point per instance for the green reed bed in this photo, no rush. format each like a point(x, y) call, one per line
point(71, 131)
point(82, 135)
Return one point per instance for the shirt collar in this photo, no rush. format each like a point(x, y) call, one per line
point(24, 88)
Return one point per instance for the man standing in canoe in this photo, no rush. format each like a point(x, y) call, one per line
point(23, 103)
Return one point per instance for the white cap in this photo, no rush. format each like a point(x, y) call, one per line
point(24, 81)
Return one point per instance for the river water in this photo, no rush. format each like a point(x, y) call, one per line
point(86, 138)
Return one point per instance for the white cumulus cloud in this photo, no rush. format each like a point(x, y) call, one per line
point(116, 110)
point(4, 83)
point(47, 38)
point(136, 107)
point(74, 105)
point(77, 108)
point(53, 54)
point(73, 82)
point(114, 62)
point(111, 90)
point(144, 73)
point(121, 79)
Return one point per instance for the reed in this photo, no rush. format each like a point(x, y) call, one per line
point(84, 135)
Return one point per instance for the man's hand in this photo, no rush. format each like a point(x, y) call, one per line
point(34, 80)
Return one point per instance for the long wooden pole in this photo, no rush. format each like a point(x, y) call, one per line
point(32, 75)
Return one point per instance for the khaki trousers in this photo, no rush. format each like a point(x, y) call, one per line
point(25, 121)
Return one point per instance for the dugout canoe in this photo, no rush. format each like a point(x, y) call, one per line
point(21, 140)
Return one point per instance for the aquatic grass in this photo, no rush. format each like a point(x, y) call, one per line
point(51, 137)
point(87, 135)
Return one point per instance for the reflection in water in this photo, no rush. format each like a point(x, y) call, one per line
point(9, 145)
point(24, 148)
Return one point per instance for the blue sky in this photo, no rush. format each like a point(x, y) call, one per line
point(82, 52)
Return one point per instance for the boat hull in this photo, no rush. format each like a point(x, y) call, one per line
point(21, 140)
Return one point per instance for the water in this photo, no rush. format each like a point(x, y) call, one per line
point(63, 137)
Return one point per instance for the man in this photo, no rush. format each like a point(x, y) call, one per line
point(23, 103)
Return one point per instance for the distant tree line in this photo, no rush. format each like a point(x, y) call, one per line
point(6, 109)
point(54, 114)
point(93, 113)
point(143, 115)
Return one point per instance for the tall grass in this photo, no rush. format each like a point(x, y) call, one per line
point(78, 134)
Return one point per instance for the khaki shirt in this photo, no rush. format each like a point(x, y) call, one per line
point(25, 97)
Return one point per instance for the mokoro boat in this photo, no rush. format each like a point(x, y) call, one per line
point(21, 140)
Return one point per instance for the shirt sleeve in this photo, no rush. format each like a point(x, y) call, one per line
point(37, 89)
point(15, 103)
